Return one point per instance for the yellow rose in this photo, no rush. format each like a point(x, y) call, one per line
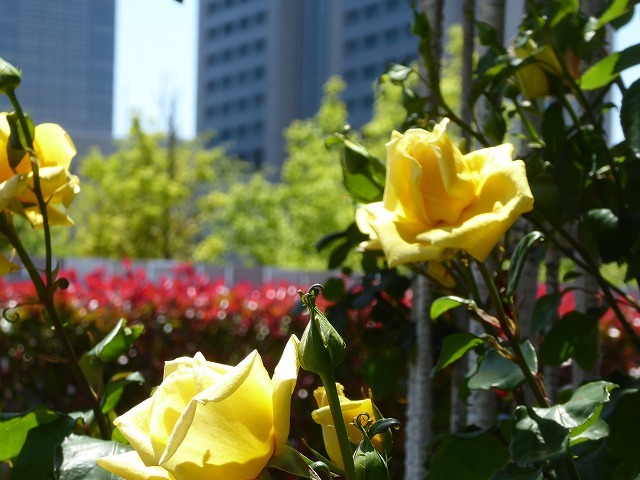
point(350, 410)
point(209, 421)
point(54, 150)
point(438, 201)
point(5, 170)
point(534, 77)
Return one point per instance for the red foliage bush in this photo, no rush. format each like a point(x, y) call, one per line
point(182, 315)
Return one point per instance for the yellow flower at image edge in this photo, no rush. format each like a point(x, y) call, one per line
point(209, 421)
point(350, 410)
point(54, 150)
point(438, 201)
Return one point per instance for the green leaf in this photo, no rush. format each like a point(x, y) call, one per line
point(585, 404)
point(454, 347)
point(117, 342)
point(630, 117)
point(519, 258)
point(37, 458)
point(563, 8)
point(609, 68)
point(398, 73)
point(291, 461)
point(487, 35)
point(444, 304)
point(553, 128)
point(597, 430)
point(79, 455)
point(15, 427)
point(116, 387)
point(363, 174)
point(473, 456)
point(609, 235)
point(616, 9)
point(545, 311)
point(575, 335)
point(514, 472)
point(535, 439)
point(495, 371)
point(624, 440)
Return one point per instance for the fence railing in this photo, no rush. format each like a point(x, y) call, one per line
point(157, 269)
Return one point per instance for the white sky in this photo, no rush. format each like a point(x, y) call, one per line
point(156, 63)
point(155, 54)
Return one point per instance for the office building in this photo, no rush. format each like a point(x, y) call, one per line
point(66, 53)
point(262, 63)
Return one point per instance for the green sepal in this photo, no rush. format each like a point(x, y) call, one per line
point(291, 461)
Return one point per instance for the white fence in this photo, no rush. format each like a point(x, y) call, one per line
point(157, 269)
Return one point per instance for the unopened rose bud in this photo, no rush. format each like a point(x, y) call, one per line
point(9, 76)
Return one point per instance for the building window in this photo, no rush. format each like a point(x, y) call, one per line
point(212, 7)
point(212, 33)
point(351, 46)
point(228, 28)
point(370, 41)
point(391, 35)
point(351, 16)
point(370, 71)
point(261, 17)
point(260, 44)
point(258, 99)
point(371, 10)
point(242, 104)
point(392, 5)
point(367, 101)
point(259, 73)
point(244, 23)
point(350, 75)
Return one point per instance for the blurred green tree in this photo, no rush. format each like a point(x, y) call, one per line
point(143, 200)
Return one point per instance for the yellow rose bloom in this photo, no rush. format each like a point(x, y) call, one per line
point(209, 421)
point(350, 410)
point(534, 77)
point(54, 150)
point(438, 201)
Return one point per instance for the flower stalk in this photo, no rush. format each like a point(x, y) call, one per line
point(45, 295)
point(329, 381)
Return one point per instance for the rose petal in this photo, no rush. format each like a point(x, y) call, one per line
point(284, 380)
point(172, 365)
point(135, 428)
point(227, 430)
point(53, 146)
point(131, 467)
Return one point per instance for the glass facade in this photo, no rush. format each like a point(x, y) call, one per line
point(264, 63)
point(66, 53)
